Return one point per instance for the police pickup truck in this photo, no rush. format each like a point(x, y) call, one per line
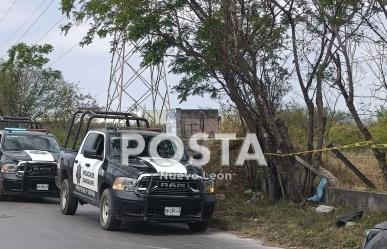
point(94, 174)
point(28, 163)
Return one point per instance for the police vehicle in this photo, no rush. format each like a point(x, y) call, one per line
point(28, 160)
point(94, 174)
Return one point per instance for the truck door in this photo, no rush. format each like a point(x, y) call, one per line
point(85, 172)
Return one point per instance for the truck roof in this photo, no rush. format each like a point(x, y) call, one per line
point(32, 133)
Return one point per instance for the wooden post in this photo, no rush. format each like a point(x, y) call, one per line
point(352, 167)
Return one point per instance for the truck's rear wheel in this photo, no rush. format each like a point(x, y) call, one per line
point(198, 226)
point(68, 202)
point(108, 215)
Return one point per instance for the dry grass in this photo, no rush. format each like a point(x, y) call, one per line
point(283, 223)
point(286, 225)
point(364, 161)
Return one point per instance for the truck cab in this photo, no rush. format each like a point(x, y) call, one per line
point(137, 191)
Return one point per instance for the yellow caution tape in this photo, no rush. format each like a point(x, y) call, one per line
point(354, 145)
point(370, 144)
point(379, 146)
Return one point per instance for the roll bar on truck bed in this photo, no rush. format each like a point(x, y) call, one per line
point(19, 122)
point(88, 116)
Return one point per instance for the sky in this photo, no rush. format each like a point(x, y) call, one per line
point(38, 21)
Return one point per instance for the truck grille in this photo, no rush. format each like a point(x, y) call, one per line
point(185, 187)
point(48, 169)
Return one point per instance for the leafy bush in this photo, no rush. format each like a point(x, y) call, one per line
point(341, 129)
point(379, 129)
point(340, 134)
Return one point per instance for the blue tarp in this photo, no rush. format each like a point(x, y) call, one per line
point(320, 191)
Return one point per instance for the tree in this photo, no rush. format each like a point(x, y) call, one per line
point(325, 35)
point(311, 45)
point(376, 47)
point(226, 46)
point(346, 21)
point(28, 88)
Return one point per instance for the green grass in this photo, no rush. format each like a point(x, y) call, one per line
point(285, 224)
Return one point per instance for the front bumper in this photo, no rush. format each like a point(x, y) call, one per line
point(16, 185)
point(150, 208)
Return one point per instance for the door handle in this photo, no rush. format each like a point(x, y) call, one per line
point(76, 161)
point(87, 164)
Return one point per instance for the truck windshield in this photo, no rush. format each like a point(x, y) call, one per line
point(31, 142)
point(166, 149)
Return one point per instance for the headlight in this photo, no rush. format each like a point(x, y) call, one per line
point(124, 184)
point(209, 186)
point(9, 168)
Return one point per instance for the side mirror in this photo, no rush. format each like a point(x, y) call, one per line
point(92, 154)
point(197, 156)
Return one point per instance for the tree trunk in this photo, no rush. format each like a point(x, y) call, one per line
point(321, 121)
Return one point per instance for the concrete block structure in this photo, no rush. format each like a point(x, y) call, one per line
point(185, 122)
point(356, 199)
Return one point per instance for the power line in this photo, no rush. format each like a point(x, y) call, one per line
point(35, 21)
point(64, 54)
point(8, 10)
point(20, 26)
point(50, 29)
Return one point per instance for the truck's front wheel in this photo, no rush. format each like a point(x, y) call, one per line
point(108, 214)
point(68, 203)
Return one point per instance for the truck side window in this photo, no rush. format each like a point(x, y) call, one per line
point(99, 145)
point(94, 142)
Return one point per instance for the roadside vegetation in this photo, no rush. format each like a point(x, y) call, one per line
point(284, 223)
point(343, 131)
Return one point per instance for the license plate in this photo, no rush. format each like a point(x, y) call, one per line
point(172, 211)
point(42, 187)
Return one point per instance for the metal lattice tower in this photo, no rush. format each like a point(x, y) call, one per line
point(134, 88)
